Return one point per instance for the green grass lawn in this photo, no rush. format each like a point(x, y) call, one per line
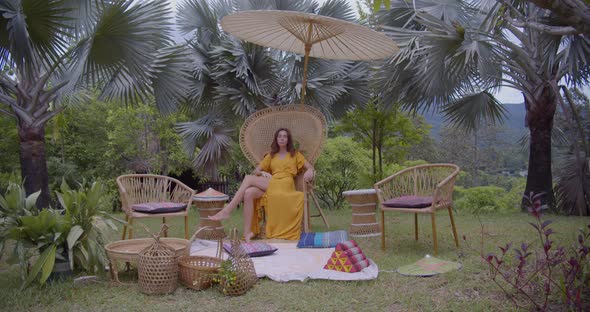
point(468, 289)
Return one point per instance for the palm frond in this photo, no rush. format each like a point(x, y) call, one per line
point(34, 32)
point(118, 54)
point(446, 10)
point(244, 76)
point(196, 15)
point(211, 134)
point(339, 9)
point(437, 63)
point(472, 110)
point(170, 77)
point(83, 16)
point(308, 6)
point(574, 59)
point(572, 190)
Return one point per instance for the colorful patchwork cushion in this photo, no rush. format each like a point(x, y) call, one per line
point(346, 258)
point(253, 249)
point(349, 244)
point(322, 239)
point(409, 202)
point(159, 207)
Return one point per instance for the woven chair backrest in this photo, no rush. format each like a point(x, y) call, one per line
point(143, 188)
point(307, 125)
point(427, 177)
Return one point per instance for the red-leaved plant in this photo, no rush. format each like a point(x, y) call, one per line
point(540, 273)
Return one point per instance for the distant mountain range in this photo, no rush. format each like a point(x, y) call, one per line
point(513, 124)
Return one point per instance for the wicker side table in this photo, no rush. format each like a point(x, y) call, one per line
point(209, 203)
point(364, 214)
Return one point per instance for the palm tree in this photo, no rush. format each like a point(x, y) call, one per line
point(233, 79)
point(57, 50)
point(574, 13)
point(455, 55)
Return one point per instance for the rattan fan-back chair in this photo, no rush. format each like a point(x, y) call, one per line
point(308, 129)
point(421, 189)
point(146, 188)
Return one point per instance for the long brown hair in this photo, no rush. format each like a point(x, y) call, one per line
point(274, 147)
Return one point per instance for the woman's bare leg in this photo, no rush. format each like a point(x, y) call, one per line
point(249, 181)
point(251, 194)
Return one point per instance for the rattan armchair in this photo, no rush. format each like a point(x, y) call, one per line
point(433, 183)
point(144, 188)
point(308, 129)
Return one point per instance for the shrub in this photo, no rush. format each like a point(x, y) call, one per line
point(343, 165)
point(75, 234)
point(544, 271)
point(482, 199)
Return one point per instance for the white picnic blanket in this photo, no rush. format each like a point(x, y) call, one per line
point(290, 263)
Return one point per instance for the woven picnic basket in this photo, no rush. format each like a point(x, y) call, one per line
point(197, 272)
point(243, 268)
point(157, 267)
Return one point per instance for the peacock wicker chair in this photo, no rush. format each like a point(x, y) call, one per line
point(308, 129)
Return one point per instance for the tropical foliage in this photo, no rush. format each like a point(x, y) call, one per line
point(572, 189)
point(75, 234)
point(57, 50)
point(344, 165)
point(232, 79)
point(456, 54)
point(387, 133)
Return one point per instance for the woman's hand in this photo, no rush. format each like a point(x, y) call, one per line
point(265, 174)
point(308, 175)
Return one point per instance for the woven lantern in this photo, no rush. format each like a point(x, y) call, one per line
point(158, 267)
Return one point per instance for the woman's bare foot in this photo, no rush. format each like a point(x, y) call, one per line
point(248, 237)
point(222, 215)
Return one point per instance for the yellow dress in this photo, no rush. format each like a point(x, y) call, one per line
point(282, 204)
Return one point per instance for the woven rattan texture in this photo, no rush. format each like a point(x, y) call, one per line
point(243, 267)
point(306, 124)
point(437, 180)
point(197, 272)
point(364, 215)
point(308, 129)
point(157, 269)
point(144, 188)
point(211, 229)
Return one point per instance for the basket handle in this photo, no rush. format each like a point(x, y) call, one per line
point(187, 250)
point(219, 248)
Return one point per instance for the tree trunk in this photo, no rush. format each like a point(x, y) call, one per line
point(380, 153)
point(373, 143)
point(33, 164)
point(539, 118)
point(474, 180)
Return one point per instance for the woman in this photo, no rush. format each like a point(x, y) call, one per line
point(273, 187)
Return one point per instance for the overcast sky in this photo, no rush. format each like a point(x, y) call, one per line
point(505, 95)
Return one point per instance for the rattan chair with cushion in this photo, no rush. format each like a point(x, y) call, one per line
point(422, 189)
point(308, 129)
point(153, 196)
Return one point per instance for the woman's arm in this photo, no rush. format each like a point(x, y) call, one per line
point(309, 172)
point(259, 172)
point(263, 167)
